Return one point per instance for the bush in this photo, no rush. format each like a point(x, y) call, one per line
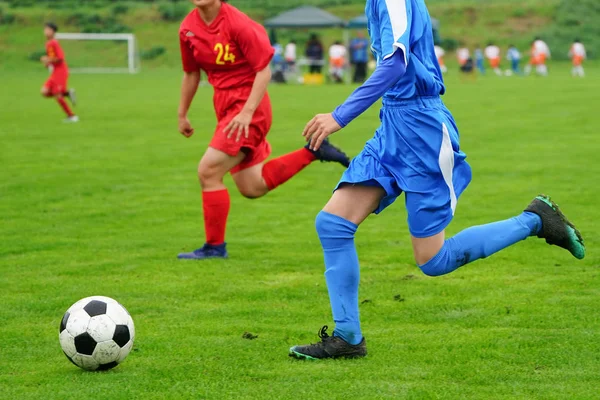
point(571, 20)
point(36, 55)
point(449, 44)
point(120, 9)
point(173, 11)
point(152, 53)
point(7, 19)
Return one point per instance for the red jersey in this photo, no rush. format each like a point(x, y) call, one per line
point(232, 49)
point(53, 50)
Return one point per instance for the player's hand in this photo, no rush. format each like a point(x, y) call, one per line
point(185, 128)
point(318, 128)
point(44, 60)
point(238, 125)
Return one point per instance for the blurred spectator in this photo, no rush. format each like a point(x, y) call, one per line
point(290, 55)
point(479, 60)
point(359, 56)
point(514, 56)
point(439, 54)
point(278, 64)
point(492, 53)
point(577, 54)
point(314, 53)
point(337, 61)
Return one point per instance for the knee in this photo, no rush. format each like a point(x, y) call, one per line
point(45, 92)
point(331, 226)
point(436, 265)
point(208, 176)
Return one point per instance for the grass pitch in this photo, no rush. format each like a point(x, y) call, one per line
point(103, 207)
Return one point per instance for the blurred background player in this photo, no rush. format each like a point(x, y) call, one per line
point(235, 52)
point(415, 150)
point(514, 56)
point(577, 54)
point(492, 53)
point(56, 85)
point(479, 60)
point(463, 54)
point(439, 54)
point(337, 61)
point(359, 57)
point(539, 54)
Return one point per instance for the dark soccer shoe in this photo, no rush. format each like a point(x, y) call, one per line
point(205, 252)
point(329, 347)
point(329, 153)
point(556, 228)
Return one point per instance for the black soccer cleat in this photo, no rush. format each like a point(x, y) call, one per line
point(329, 347)
point(329, 153)
point(556, 228)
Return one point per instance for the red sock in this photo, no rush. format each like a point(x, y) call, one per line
point(216, 209)
point(65, 106)
point(279, 170)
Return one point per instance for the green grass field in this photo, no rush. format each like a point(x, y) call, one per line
point(103, 207)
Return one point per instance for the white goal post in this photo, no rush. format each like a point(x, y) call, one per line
point(133, 61)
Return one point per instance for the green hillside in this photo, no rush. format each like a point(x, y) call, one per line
point(155, 23)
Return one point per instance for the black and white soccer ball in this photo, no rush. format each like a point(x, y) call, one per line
point(96, 333)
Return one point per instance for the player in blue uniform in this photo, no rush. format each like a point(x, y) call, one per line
point(415, 151)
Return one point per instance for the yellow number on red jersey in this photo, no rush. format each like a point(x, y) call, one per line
point(223, 54)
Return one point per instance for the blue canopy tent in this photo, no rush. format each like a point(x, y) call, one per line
point(305, 17)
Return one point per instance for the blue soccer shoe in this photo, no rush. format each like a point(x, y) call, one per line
point(329, 153)
point(205, 252)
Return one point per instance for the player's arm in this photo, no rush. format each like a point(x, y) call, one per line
point(254, 44)
point(386, 75)
point(395, 48)
point(189, 85)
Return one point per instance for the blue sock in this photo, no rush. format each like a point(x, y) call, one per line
point(341, 273)
point(480, 242)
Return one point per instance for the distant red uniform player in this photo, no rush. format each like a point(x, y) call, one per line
point(56, 85)
point(235, 52)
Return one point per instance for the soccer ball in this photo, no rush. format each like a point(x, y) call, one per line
point(96, 333)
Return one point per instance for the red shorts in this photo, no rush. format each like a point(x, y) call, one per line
point(228, 103)
point(57, 83)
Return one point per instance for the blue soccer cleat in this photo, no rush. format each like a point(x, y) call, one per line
point(205, 252)
point(329, 153)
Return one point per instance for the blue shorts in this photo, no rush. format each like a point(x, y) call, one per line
point(416, 151)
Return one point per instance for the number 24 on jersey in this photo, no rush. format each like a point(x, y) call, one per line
point(223, 54)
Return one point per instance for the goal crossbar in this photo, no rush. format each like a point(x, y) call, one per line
point(132, 60)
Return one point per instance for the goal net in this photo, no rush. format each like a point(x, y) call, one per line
point(100, 52)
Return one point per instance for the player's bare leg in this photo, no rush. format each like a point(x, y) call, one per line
point(349, 206)
point(45, 92)
point(250, 182)
point(258, 180)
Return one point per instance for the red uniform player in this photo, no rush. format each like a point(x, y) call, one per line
point(56, 85)
point(235, 53)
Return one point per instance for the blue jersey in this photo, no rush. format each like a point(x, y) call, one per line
point(405, 25)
